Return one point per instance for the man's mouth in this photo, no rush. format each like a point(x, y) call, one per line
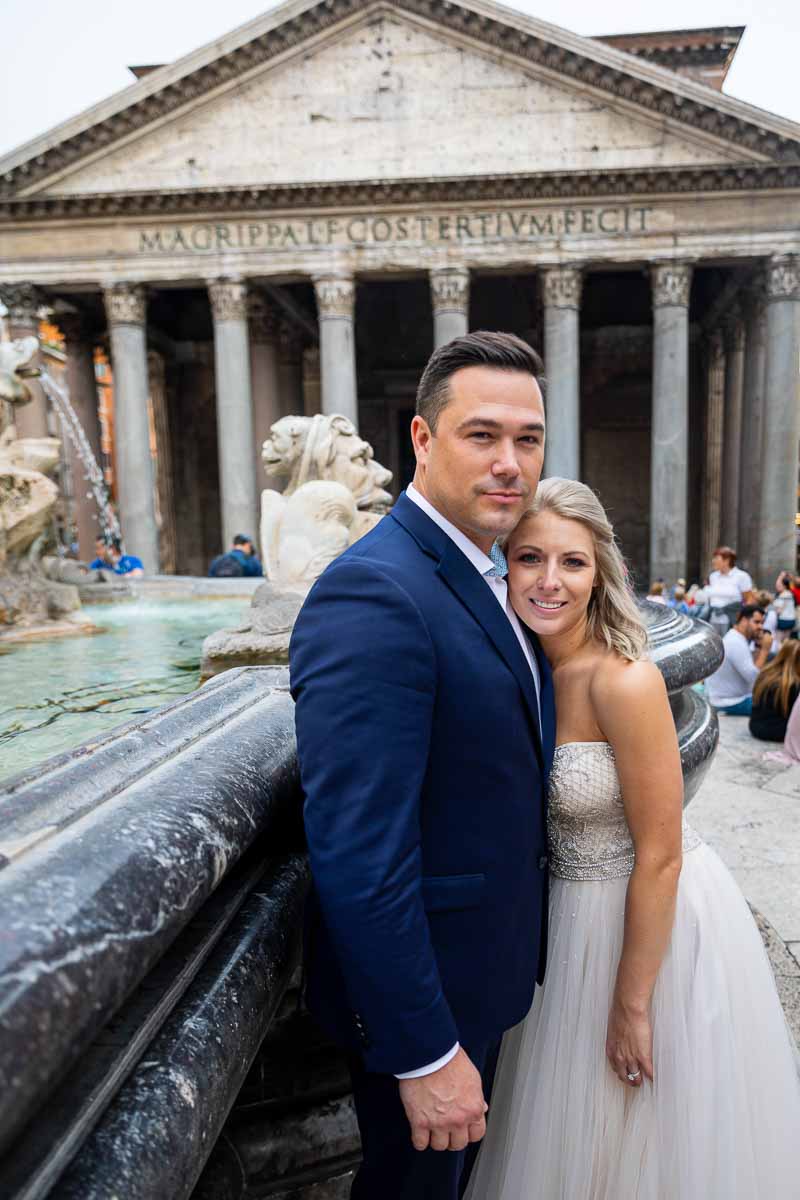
point(548, 605)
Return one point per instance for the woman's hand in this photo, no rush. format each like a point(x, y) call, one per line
point(629, 1043)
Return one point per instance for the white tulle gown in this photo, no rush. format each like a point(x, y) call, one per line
point(721, 1121)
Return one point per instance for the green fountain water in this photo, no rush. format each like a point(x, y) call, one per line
point(54, 695)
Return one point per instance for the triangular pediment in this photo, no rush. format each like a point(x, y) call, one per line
point(396, 90)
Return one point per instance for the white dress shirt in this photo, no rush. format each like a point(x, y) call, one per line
point(733, 681)
point(482, 564)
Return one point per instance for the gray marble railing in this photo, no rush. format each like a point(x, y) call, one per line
point(152, 1043)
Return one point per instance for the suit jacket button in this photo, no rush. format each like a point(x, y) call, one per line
point(542, 862)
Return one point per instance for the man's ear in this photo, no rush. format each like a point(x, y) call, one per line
point(421, 438)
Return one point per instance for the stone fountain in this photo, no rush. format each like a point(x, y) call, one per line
point(30, 603)
point(334, 492)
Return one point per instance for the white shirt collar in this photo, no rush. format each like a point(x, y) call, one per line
point(480, 561)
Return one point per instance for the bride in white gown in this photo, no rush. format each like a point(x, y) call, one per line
point(655, 1063)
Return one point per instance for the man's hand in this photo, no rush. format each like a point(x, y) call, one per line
point(446, 1109)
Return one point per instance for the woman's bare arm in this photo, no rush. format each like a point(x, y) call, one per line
point(633, 711)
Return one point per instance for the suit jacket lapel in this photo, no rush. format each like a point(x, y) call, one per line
point(547, 704)
point(471, 590)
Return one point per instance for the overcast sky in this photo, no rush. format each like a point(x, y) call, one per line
point(59, 58)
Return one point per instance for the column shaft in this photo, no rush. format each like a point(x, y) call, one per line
point(752, 429)
point(290, 371)
point(237, 470)
point(125, 308)
point(82, 388)
point(670, 422)
point(562, 302)
point(732, 429)
point(23, 301)
point(712, 476)
point(778, 500)
point(263, 323)
point(337, 349)
point(450, 299)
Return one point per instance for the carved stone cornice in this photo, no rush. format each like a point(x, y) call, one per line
point(228, 299)
point(336, 296)
point(23, 302)
point(671, 284)
point(263, 320)
point(783, 278)
point(558, 185)
point(495, 31)
point(562, 287)
point(126, 304)
point(450, 289)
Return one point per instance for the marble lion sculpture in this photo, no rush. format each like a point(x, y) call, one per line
point(334, 493)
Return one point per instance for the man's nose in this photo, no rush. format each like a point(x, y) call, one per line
point(506, 461)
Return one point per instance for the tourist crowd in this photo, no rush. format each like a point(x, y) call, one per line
point(759, 677)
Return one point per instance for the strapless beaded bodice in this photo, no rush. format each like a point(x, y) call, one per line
point(586, 826)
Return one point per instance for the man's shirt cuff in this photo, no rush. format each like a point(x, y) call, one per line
point(431, 1067)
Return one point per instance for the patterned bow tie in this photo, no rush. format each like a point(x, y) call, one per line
point(500, 568)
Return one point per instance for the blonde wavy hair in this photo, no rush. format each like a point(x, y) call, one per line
point(613, 618)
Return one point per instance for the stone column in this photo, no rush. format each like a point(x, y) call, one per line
point(165, 495)
point(237, 472)
point(126, 312)
point(755, 359)
point(264, 323)
point(337, 348)
point(82, 388)
point(290, 370)
point(23, 301)
point(670, 422)
point(562, 288)
point(778, 499)
point(450, 298)
point(732, 428)
point(712, 476)
point(312, 392)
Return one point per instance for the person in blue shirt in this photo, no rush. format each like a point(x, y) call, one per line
point(240, 560)
point(102, 560)
point(124, 564)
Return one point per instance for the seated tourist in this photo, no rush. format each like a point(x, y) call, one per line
point(125, 564)
point(678, 601)
point(774, 694)
point(730, 689)
point(656, 593)
point(785, 606)
point(102, 560)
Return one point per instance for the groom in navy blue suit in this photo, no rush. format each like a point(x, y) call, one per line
point(425, 730)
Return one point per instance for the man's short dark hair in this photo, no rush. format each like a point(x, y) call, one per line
point(242, 539)
point(747, 611)
point(504, 351)
point(115, 543)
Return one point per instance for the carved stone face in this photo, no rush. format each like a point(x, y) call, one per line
point(285, 445)
point(357, 469)
point(14, 369)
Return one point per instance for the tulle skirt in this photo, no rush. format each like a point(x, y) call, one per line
point(721, 1121)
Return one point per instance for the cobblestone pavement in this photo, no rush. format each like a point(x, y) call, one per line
point(748, 809)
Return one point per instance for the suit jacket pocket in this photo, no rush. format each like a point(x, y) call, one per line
point(444, 893)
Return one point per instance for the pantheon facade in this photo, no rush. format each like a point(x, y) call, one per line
point(288, 220)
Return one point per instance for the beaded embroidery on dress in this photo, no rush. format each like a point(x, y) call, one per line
point(721, 1120)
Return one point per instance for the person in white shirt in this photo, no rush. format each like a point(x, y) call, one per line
point(730, 688)
point(785, 606)
point(729, 586)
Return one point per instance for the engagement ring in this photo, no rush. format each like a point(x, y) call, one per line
point(634, 1075)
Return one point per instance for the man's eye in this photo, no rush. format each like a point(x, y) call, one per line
point(530, 440)
point(481, 434)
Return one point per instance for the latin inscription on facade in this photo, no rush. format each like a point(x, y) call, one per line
point(376, 229)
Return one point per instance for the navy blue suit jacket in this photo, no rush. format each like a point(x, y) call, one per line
point(425, 780)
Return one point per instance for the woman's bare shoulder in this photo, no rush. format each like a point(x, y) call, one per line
point(617, 684)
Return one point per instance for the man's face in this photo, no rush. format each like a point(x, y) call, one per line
point(483, 463)
point(753, 626)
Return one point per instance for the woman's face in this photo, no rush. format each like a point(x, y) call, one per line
point(718, 563)
point(551, 572)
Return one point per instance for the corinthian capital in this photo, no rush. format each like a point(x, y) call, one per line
point(336, 295)
point(562, 287)
point(671, 284)
point(23, 301)
point(126, 304)
point(783, 278)
point(228, 299)
point(450, 289)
